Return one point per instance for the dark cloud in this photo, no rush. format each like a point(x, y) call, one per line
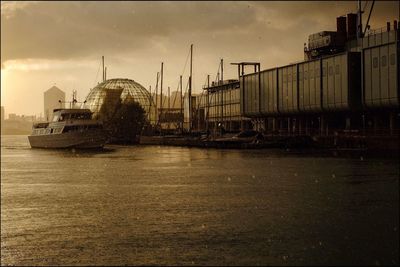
point(58, 30)
point(62, 42)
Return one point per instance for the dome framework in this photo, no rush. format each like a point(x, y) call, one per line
point(108, 93)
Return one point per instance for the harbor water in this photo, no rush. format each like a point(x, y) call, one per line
point(159, 205)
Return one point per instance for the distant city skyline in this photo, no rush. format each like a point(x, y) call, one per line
point(61, 43)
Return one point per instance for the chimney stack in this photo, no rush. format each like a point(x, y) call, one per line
point(341, 29)
point(351, 26)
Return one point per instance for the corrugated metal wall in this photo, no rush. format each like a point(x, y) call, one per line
point(287, 89)
point(310, 86)
point(380, 76)
point(269, 100)
point(251, 93)
point(340, 89)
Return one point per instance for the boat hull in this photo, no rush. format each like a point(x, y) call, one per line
point(87, 139)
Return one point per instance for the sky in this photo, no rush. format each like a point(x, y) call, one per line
point(61, 43)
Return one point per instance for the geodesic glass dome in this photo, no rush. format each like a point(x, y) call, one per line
point(110, 91)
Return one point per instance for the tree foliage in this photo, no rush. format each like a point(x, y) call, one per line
point(123, 121)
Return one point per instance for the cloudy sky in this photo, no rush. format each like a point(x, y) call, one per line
point(61, 43)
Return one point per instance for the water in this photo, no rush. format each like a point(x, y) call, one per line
point(149, 205)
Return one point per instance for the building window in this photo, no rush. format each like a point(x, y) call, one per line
point(383, 61)
point(392, 59)
point(375, 62)
point(337, 69)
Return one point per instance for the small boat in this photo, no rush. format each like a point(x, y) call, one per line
point(70, 128)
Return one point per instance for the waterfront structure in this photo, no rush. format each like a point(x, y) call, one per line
point(107, 94)
point(52, 98)
point(219, 107)
point(357, 89)
point(346, 84)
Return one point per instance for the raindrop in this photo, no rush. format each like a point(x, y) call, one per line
point(333, 175)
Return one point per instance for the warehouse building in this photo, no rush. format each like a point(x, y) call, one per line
point(346, 84)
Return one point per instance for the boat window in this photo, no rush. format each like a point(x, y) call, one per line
point(81, 116)
point(55, 118)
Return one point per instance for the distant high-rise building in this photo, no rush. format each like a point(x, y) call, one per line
point(52, 99)
point(2, 115)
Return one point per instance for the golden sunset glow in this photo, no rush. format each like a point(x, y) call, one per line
point(47, 43)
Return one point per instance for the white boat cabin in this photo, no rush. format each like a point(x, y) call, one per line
point(67, 120)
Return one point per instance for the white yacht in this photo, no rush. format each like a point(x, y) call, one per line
point(70, 128)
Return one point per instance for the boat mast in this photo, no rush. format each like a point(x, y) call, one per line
point(150, 100)
point(190, 88)
point(169, 103)
point(222, 92)
point(102, 58)
point(180, 83)
point(161, 95)
point(158, 74)
point(208, 102)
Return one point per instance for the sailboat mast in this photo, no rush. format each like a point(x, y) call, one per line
point(180, 83)
point(190, 88)
point(161, 95)
point(208, 101)
point(150, 100)
point(102, 58)
point(158, 74)
point(222, 70)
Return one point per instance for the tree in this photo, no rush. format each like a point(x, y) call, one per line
point(127, 123)
point(123, 121)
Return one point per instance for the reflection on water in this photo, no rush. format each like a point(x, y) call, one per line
point(174, 205)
